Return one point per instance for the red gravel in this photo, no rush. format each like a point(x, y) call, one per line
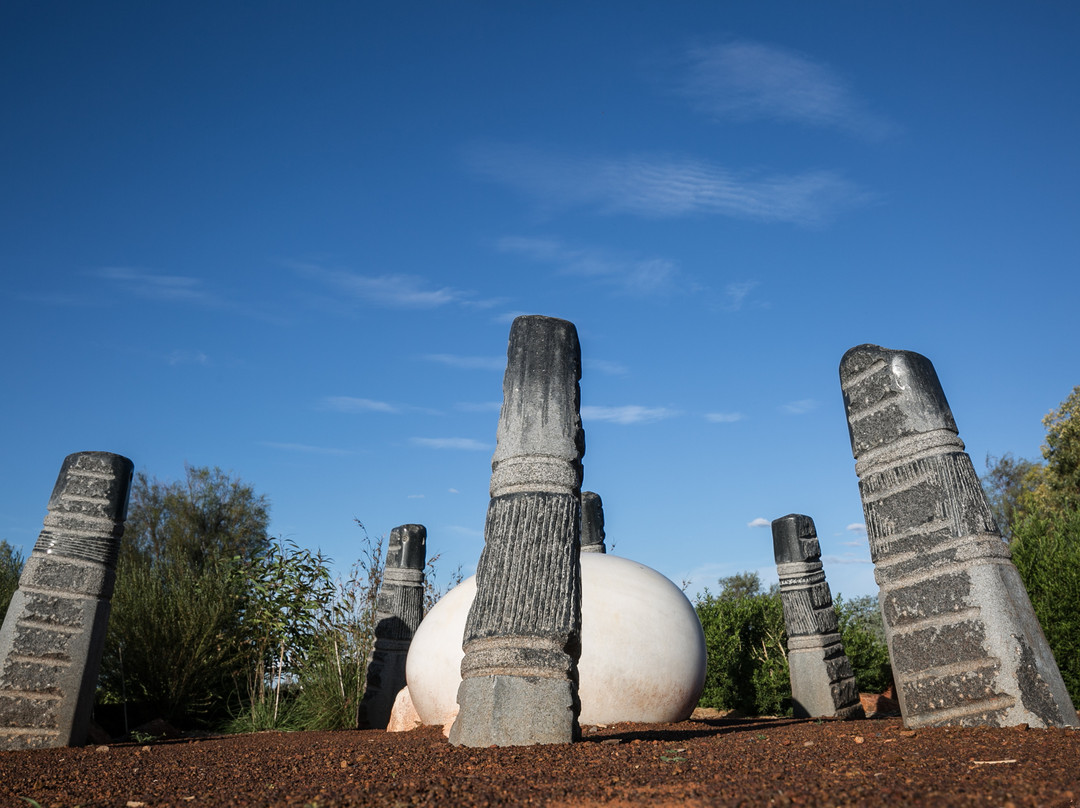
point(732, 761)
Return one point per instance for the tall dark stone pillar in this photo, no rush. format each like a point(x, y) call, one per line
point(592, 523)
point(54, 631)
point(398, 612)
point(965, 645)
point(822, 682)
point(522, 636)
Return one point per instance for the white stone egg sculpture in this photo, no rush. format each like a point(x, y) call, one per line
point(642, 647)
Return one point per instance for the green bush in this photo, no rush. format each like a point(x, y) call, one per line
point(747, 648)
point(862, 631)
point(174, 643)
point(1046, 552)
point(11, 564)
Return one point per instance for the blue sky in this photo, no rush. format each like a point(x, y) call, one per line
point(288, 239)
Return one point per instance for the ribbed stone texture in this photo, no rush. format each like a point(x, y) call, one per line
point(822, 682)
point(522, 635)
point(54, 631)
point(398, 611)
point(592, 523)
point(965, 645)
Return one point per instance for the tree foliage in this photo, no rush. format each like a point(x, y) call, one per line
point(11, 564)
point(177, 642)
point(746, 646)
point(746, 643)
point(1038, 507)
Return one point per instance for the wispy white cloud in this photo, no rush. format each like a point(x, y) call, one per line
point(469, 362)
point(153, 286)
point(452, 491)
point(467, 444)
point(642, 276)
point(745, 80)
point(737, 293)
point(605, 367)
point(856, 527)
point(830, 560)
point(185, 357)
point(392, 290)
point(303, 447)
point(659, 186)
point(415, 496)
point(724, 417)
point(628, 414)
point(479, 406)
point(351, 404)
point(799, 407)
point(759, 522)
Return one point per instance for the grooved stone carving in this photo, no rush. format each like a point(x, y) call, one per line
point(54, 631)
point(822, 682)
point(592, 523)
point(965, 645)
point(522, 634)
point(398, 612)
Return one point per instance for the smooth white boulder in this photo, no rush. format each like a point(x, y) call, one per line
point(642, 647)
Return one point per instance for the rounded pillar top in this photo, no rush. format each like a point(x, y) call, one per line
point(795, 539)
point(891, 394)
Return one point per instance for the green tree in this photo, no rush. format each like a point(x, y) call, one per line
point(1039, 509)
point(747, 648)
point(862, 631)
point(177, 640)
point(11, 564)
point(203, 519)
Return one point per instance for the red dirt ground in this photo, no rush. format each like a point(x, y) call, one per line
point(720, 761)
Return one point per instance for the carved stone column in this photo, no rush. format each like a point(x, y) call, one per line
point(965, 645)
point(54, 631)
point(398, 612)
point(522, 636)
point(592, 523)
point(822, 682)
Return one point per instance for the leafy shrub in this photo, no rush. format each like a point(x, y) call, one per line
point(862, 631)
point(1046, 552)
point(747, 648)
point(11, 564)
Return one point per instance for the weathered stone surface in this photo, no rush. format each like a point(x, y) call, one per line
point(54, 630)
point(399, 610)
point(822, 682)
point(592, 523)
point(965, 645)
point(522, 635)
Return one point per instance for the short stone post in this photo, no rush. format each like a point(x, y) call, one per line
point(54, 631)
point(822, 682)
point(592, 523)
point(965, 645)
point(522, 635)
point(398, 611)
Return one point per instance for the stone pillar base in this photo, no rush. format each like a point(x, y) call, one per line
point(515, 711)
point(823, 684)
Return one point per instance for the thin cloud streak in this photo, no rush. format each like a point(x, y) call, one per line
point(350, 404)
point(303, 447)
point(759, 522)
point(468, 362)
point(629, 414)
point(392, 290)
point(635, 276)
point(723, 417)
point(657, 187)
point(168, 288)
point(800, 407)
point(747, 81)
point(467, 444)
